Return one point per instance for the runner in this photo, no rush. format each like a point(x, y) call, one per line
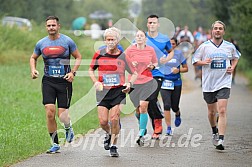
point(172, 86)
point(162, 46)
point(56, 50)
point(111, 65)
point(218, 59)
point(143, 59)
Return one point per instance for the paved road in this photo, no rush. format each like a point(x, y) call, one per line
point(189, 146)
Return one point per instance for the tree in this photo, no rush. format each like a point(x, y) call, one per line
point(221, 9)
point(38, 10)
point(241, 24)
point(203, 15)
point(66, 10)
point(193, 13)
point(236, 14)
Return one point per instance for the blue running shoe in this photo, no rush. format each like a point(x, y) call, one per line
point(169, 131)
point(54, 149)
point(177, 121)
point(69, 134)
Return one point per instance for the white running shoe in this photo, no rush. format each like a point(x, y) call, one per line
point(220, 145)
point(215, 139)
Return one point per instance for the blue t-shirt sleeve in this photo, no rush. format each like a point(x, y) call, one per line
point(37, 50)
point(72, 45)
point(168, 45)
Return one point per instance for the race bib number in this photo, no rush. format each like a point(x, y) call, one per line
point(111, 80)
point(167, 84)
point(218, 64)
point(56, 71)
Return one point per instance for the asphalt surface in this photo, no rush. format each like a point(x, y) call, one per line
point(190, 144)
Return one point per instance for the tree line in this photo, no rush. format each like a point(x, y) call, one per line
point(236, 14)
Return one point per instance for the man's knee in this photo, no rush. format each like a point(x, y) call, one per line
point(222, 111)
point(50, 112)
point(103, 122)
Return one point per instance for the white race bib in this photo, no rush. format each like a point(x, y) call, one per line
point(56, 71)
point(167, 84)
point(111, 80)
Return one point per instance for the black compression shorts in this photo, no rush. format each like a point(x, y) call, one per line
point(56, 88)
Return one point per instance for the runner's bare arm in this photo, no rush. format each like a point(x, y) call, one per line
point(33, 63)
point(69, 76)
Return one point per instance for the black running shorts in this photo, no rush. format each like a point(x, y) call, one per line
point(110, 97)
point(56, 88)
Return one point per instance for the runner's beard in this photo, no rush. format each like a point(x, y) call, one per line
point(52, 32)
point(217, 36)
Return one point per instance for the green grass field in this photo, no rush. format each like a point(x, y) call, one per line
point(23, 131)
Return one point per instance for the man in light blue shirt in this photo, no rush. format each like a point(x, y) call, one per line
point(161, 44)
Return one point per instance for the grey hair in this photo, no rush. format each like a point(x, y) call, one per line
point(220, 22)
point(114, 31)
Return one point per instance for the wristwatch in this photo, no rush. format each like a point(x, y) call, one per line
point(74, 72)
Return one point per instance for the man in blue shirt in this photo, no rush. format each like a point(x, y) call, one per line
point(56, 49)
point(162, 46)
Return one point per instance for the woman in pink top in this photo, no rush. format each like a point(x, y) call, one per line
point(142, 59)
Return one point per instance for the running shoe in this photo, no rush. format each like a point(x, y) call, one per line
point(69, 134)
point(107, 142)
point(220, 145)
point(177, 121)
point(158, 126)
point(169, 131)
point(54, 149)
point(155, 136)
point(140, 141)
point(113, 151)
point(215, 139)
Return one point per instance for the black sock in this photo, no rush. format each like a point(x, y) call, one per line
point(177, 115)
point(54, 137)
point(215, 130)
point(221, 137)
